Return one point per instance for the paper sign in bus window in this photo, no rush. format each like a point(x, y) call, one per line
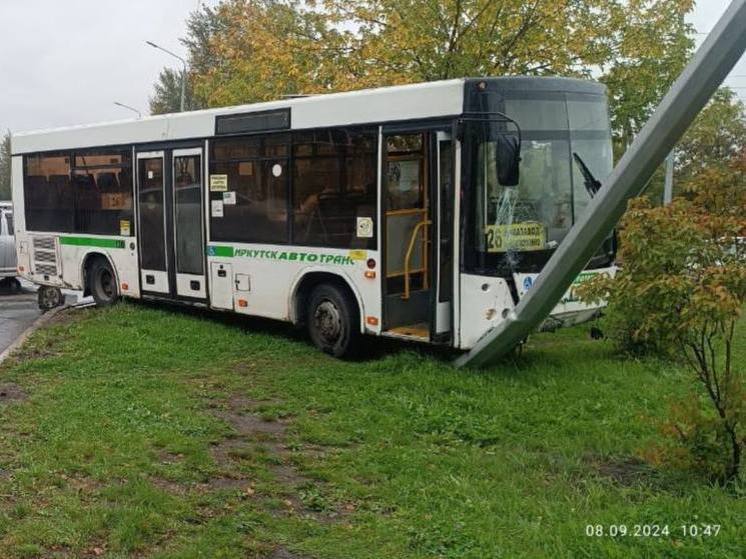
point(218, 183)
point(216, 208)
point(365, 227)
point(229, 198)
point(523, 236)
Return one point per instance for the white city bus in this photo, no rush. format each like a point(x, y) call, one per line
point(394, 212)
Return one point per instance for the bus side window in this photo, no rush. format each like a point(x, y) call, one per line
point(334, 187)
point(48, 191)
point(256, 170)
point(103, 201)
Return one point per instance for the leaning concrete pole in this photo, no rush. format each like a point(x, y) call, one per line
point(694, 87)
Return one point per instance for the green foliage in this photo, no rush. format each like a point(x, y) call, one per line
point(649, 44)
point(716, 138)
point(680, 291)
point(166, 96)
point(5, 165)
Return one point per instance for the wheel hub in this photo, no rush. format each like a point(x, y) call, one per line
point(328, 321)
point(107, 283)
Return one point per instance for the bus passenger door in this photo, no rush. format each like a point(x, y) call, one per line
point(171, 224)
point(418, 198)
point(188, 239)
point(407, 235)
point(152, 223)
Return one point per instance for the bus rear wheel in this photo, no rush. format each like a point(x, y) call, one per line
point(332, 321)
point(103, 283)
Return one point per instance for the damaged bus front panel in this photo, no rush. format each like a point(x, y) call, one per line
point(509, 232)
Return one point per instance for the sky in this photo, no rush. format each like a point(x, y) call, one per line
point(66, 62)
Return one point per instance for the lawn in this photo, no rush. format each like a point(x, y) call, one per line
point(143, 432)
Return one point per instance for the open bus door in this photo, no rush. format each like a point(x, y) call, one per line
point(418, 200)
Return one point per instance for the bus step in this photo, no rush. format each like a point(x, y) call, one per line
point(419, 331)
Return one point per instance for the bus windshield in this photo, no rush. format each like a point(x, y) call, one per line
point(566, 151)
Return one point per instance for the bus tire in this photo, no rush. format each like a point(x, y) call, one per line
point(333, 320)
point(49, 298)
point(102, 283)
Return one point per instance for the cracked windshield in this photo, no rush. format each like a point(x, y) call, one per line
point(566, 150)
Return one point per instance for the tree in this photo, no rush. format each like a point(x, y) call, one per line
point(715, 138)
point(5, 163)
point(681, 291)
point(166, 96)
point(649, 45)
point(421, 40)
point(202, 25)
point(267, 49)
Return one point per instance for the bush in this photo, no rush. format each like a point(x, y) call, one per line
point(680, 292)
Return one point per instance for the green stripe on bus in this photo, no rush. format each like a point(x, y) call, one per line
point(91, 242)
point(214, 250)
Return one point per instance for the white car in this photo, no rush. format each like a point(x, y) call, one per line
point(7, 243)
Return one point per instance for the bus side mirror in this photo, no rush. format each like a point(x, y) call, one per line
point(508, 159)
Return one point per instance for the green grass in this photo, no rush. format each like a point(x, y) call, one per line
point(127, 446)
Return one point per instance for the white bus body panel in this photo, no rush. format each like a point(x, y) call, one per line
point(570, 310)
point(272, 274)
point(221, 284)
point(486, 301)
point(159, 279)
point(70, 259)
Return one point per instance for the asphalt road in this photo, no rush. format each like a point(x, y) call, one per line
point(17, 312)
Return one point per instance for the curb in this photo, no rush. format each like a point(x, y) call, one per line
point(39, 322)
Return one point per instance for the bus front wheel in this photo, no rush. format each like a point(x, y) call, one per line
point(103, 283)
point(332, 320)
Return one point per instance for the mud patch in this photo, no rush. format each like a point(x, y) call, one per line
point(626, 471)
point(166, 457)
point(288, 475)
point(283, 553)
point(255, 437)
point(83, 484)
point(68, 315)
point(173, 487)
point(228, 483)
point(229, 450)
point(222, 483)
point(12, 393)
point(248, 424)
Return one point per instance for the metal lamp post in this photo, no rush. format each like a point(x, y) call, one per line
point(133, 109)
point(183, 72)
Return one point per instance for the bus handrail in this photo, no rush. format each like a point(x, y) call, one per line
point(410, 248)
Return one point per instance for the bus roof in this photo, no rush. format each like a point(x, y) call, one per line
point(385, 104)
